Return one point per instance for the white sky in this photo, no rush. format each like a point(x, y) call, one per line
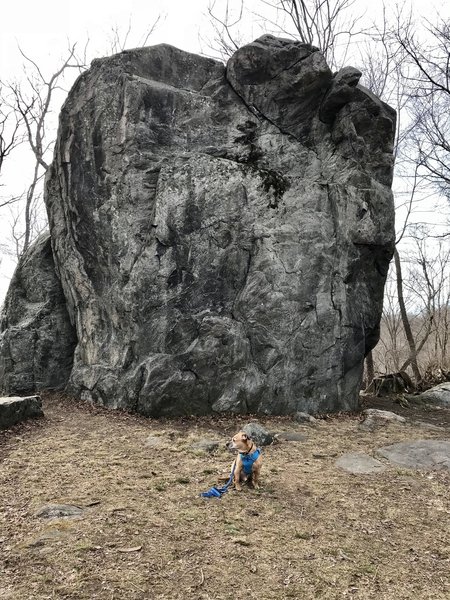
point(43, 28)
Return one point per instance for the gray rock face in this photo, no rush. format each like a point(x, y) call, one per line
point(359, 463)
point(15, 409)
point(220, 246)
point(419, 454)
point(37, 340)
point(438, 395)
point(340, 93)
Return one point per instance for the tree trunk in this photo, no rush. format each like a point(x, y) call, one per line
point(405, 320)
point(370, 371)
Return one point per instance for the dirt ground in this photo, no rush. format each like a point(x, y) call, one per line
point(312, 531)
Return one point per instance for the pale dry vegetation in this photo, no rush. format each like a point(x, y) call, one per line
point(312, 531)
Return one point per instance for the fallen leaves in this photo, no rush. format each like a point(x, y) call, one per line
point(146, 542)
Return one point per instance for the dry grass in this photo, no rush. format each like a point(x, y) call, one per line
point(312, 531)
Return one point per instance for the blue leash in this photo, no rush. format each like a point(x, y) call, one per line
point(218, 492)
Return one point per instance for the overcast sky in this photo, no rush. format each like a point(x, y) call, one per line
point(43, 28)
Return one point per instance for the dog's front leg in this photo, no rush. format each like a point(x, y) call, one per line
point(237, 476)
point(255, 477)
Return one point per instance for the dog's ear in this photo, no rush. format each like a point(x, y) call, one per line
point(245, 436)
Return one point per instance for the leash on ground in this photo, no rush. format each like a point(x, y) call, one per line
point(218, 492)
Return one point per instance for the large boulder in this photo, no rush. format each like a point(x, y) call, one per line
point(37, 340)
point(438, 395)
point(418, 454)
point(222, 234)
point(14, 410)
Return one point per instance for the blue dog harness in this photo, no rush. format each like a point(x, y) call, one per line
point(247, 465)
point(248, 460)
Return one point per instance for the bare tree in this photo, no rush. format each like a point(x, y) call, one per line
point(31, 101)
point(226, 36)
point(388, 354)
point(331, 25)
point(382, 61)
point(119, 40)
point(442, 312)
point(405, 319)
point(429, 286)
point(429, 90)
point(10, 138)
point(424, 72)
point(391, 72)
point(425, 298)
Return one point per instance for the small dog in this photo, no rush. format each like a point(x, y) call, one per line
point(248, 460)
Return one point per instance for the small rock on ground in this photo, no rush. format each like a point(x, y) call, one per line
point(439, 395)
point(359, 463)
point(15, 409)
point(257, 432)
point(57, 511)
point(418, 454)
point(374, 418)
point(303, 417)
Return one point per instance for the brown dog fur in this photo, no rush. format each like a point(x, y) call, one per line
point(245, 445)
